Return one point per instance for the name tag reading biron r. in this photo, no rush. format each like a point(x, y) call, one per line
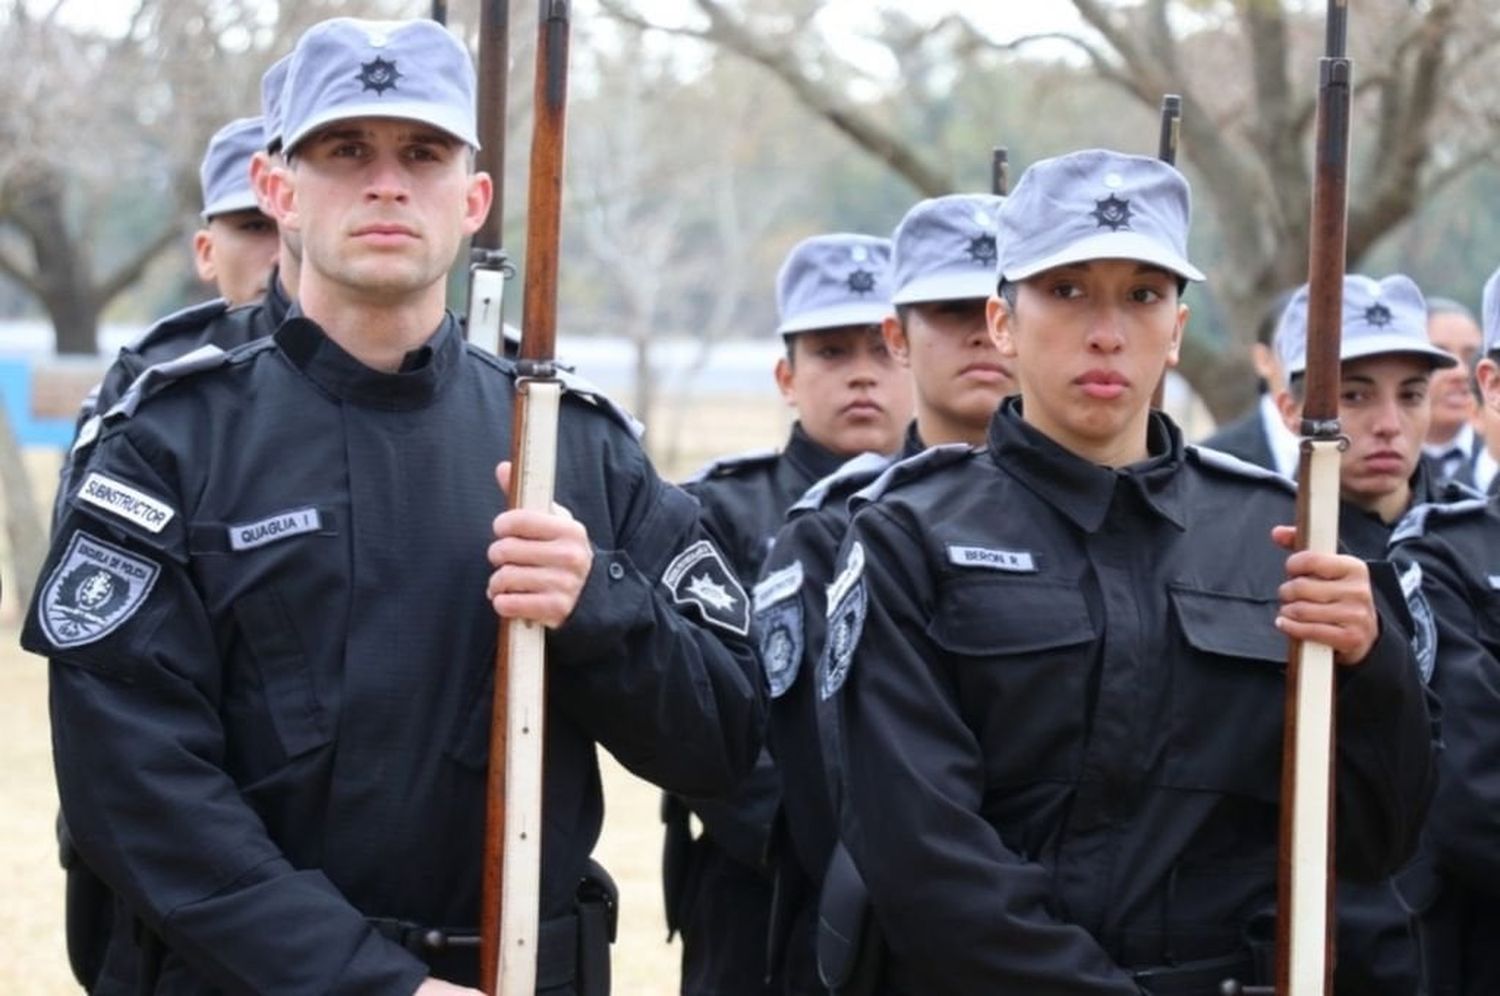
point(250, 535)
point(1013, 561)
point(125, 501)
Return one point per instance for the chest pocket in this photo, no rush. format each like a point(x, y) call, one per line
point(300, 722)
point(1020, 651)
point(1228, 696)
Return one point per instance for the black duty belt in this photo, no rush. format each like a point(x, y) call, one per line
point(454, 952)
point(1195, 978)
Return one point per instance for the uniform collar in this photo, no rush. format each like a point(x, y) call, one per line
point(424, 371)
point(277, 302)
point(808, 458)
point(1084, 491)
point(912, 444)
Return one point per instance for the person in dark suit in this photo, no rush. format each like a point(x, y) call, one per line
point(1259, 436)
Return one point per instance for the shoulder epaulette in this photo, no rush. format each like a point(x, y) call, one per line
point(1453, 492)
point(192, 317)
point(1214, 459)
point(734, 464)
point(153, 378)
point(1414, 523)
point(582, 387)
point(913, 467)
point(852, 475)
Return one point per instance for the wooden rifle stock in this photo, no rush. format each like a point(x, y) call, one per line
point(489, 265)
point(1166, 151)
point(513, 835)
point(1304, 954)
point(1000, 171)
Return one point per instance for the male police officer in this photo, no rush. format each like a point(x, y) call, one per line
point(1455, 550)
point(1386, 370)
point(1057, 659)
point(832, 293)
point(236, 247)
point(268, 606)
point(942, 267)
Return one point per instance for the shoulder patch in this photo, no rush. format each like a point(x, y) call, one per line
point(913, 467)
point(734, 464)
point(94, 588)
point(854, 474)
point(1424, 627)
point(151, 380)
point(126, 501)
point(699, 577)
point(847, 604)
point(778, 618)
point(1228, 463)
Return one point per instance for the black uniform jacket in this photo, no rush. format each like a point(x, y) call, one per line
point(1457, 548)
point(272, 656)
point(744, 501)
point(1060, 694)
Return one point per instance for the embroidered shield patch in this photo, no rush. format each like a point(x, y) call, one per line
point(95, 587)
point(698, 576)
point(778, 616)
point(1424, 626)
point(846, 620)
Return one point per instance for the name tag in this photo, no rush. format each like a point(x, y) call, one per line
point(1012, 561)
point(250, 535)
point(125, 501)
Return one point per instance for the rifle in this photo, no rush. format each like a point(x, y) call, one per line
point(489, 264)
point(1166, 151)
point(440, 11)
point(1000, 171)
point(1304, 953)
point(513, 833)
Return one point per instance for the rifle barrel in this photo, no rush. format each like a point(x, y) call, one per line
point(1171, 126)
point(494, 54)
point(1000, 171)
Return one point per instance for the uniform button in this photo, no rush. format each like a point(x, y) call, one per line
point(616, 571)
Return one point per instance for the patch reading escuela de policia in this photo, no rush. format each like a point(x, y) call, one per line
point(95, 587)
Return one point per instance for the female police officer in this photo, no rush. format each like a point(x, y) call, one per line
point(1055, 660)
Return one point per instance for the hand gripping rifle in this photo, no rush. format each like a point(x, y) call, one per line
point(489, 265)
point(513, 835)
point(1304, 953)
point(1166, 151)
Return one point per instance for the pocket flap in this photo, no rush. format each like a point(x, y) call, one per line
point(1001, 616)
point(1230, 625)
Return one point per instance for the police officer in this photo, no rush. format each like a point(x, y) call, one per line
point(1057, 658)
point(236, 247)
point(850, 395)
point(1386, 369)
point(943, 266)
point(1386, 365)
point(1452, 553)
point(271, 616)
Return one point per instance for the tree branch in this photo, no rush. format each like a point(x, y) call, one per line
point(130, 271)
point(18, 273)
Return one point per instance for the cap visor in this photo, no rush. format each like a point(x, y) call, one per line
point(439, 116)
point(962, 285)
point(1384, 345)
point(243, 201)
point(1110, 245)
point(836, 317)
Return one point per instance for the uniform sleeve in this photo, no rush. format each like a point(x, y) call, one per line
point(657, 656)
point(965, 914)
point(1464, 824)
point(1384, 748)
point(139, 749)
point(126, 367)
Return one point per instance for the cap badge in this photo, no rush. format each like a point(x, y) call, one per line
point(1112, 213)
point(982, 250)
point(379, 75)
point(861, 281)
point(1378, 315)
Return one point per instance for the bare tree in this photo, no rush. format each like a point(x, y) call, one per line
point(1246, 71)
